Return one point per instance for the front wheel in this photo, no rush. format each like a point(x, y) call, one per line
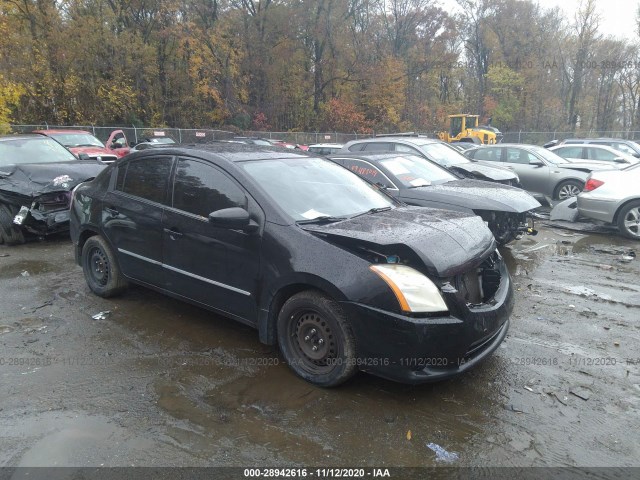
point(101, 269)
point(316, 339)
point(10, 233)
point(629, 220)
point(568, 189)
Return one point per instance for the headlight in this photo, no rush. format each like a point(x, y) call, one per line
point(415, 292)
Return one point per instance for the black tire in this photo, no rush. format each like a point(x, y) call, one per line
point(567, 189)
point(10, 233)
point(629, 220)
point(101, 269)
point(311, 320)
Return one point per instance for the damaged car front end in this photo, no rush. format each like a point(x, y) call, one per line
point(37, 176)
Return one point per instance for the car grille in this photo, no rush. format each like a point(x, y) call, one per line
point(53, 201)
point(478, 286)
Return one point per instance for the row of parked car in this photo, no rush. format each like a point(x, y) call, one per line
point(334, 259)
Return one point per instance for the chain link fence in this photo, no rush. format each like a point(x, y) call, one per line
point(193, 135)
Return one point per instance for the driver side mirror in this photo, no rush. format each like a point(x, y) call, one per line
point(234, 218)
point(536, 163)
point(83, 156)
point(381, 186)
point(619, 160)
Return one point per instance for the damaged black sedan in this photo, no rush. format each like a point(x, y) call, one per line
point(337, 273)
point(416, 181)
point(37, 175)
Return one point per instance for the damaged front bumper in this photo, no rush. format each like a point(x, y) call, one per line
point(45, 215)
point(425, 349)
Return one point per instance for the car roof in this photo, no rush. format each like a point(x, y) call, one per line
point(17, 136)
point(46, 132)
point(399, 139)
point(232, 152)
point(608, 139)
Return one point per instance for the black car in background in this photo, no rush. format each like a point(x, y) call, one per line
point(37, 175)
point(340, 275)
point(435, 151)
point(415, 181)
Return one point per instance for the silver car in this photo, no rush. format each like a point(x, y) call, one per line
point(540, 170)
point(597, 153)
point(614, 197)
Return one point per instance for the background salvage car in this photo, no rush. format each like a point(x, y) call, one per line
point(37, 175)
point(596, 153)
point(540, 170)
point(341, 276)
point(437, 152)
point(415, 181)
point(614, 197)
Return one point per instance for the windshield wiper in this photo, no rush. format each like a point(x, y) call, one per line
point(321, 219)
point(420, 186)
point(372, 210)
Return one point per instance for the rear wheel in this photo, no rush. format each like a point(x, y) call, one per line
point(316, 339)
point(101, 269)
point(10, 233)
point(629, 220)
point(568, 189)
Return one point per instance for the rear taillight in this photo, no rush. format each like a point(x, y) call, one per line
point(592, 184)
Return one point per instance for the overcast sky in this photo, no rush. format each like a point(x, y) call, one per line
point(617, 17)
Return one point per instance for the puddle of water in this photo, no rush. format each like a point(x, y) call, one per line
point(33, 267)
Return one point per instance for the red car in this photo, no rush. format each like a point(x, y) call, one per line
point(81, 141)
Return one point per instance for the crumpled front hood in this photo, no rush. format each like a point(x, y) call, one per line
point(476, 195)
point(37, 178)
point(482, 171)
point(447, 242)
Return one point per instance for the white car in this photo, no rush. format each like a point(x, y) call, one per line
point(324, 148)
point(595, 153)
point(613, 196)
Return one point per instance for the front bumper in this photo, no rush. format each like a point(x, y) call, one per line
point(419, 350)
point(40, 223)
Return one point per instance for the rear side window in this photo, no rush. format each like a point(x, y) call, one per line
point(357, 147)
point(378, 147)
point(201, 188)
point(601, 154)
point(569, 152)
point(146, 178)
point(488, 154)
point(517, 155)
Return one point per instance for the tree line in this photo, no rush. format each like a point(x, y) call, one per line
point(309, 65)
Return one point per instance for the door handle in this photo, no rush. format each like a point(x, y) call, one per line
point(112, 211)
point(173, 233)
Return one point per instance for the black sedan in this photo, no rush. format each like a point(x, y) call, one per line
point(319, 261)
point(37, 175)
point(416, 181)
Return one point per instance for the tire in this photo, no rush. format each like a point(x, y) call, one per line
point(567, 189)
point(101, 269)
point(10, 233)
point(311, 320)
point(629, 220)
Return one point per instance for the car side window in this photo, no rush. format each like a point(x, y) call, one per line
point(517, 155)
point(570, 152)
point(146, 178)
point(488, 154)
point(600, 154)
point(200, 188)
point(357, 147)
point(368, 172)
point(407, 149)
point(623, 148)
point(378, 147)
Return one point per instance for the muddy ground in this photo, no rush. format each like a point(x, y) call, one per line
point(159, 382)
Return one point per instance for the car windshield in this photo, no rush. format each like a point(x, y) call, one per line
point(548, 155)
point(311, 188)
point(33, 150)
point(444, 155)
point(77, 139)
point(413, 171)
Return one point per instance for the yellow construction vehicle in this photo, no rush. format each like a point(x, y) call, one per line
point(465, 128)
